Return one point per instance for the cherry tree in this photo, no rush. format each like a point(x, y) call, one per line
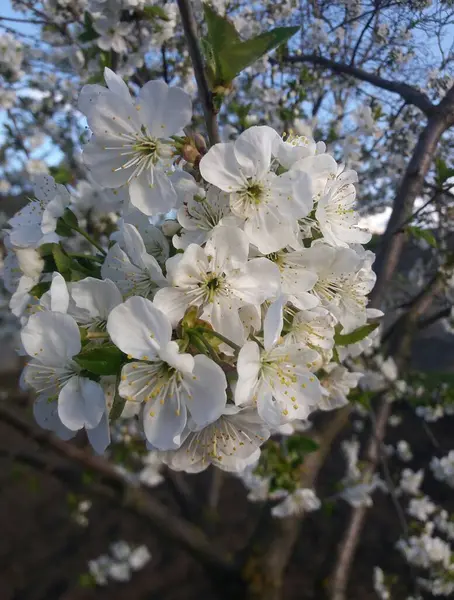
point(190, 270)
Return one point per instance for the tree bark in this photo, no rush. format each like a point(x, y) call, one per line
point(270, 548)
point(206, 97)
point(401, 343)
point(411, 186)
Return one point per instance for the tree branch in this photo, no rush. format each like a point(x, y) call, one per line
point(410, 94)
point(411, 186)
point(110, 484)
point(270, 547)
point(206, 97)
point(403, 336)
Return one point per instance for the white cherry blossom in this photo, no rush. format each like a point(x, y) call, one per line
point(200, 215)
point(218, 279)
point(337, 384)
point(133, 270)
point(335, 214)
point(277, 379)
point(344, 280)
point(297, 503)
point(270, 204)
point(52, 340)
point(169, 383)
point(131, 140)
point(230, 443)
point(35, 224)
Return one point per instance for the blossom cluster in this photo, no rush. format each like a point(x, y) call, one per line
point(216, 310)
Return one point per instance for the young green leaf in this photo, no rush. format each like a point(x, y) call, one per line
point(442, 171)
point(238, 57)
point(62, 260)
point(422, 234)
point(355, 336)
point(155, 12)
point(227, 54)
point(104, 360)
point(89, 32)
point(70, 218)
point(39, 289)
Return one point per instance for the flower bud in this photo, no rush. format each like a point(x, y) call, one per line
point(170, 228)
point(190, 153)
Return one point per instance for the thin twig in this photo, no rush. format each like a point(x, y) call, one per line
point(113, 485)
point(206, 97)
point(409, 93)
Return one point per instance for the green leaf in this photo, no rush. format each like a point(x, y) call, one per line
point(355, 336)
point(155, 12)
point(106, 60)
point(227, 54)
point(62, 174)
point(97, 78)
point(221, 31)
point(62, 229)
point(89, 32)
point(104, 360)
point(70, 219)
point(422, 234)
point(46, 249)
point(39, 289)
point(442, 171)
point(301, 444)
point(238, 57)
point(62, 261)
point(117, 406)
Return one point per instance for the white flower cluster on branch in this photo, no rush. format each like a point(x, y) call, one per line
point(215, 310)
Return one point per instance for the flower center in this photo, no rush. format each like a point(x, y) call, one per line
point(141, 151)
point(254, 191)
point(212, 286)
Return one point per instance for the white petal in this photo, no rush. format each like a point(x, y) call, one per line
point(138, 328)
point(163, 109)
point(320, 167)
point(293, 191)
point(99, 436)
point(55, 209)
point(268, 230)
point(259, 281)
point(106, 166)
point(113, 117)
point(207, 385)
point(253, 150)
point(248, 367)
point(96, 297)
point(220, 167)
point(152, 192)
point(178, 360)
point(273, 322)
point(116, 85)
point(172, 302)
point(45, 412)
point(81, 403)
point(59, 295)
point(230, 249)
point(133, 243)
point(52, 338)
point(163, 423)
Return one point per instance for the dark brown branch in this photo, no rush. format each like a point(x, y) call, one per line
point(30, 21)
point(206, 97)
point(402, 339)
point(410, 94)
point(109, 483)
point(270, 547)
point(411, 186)
point(441, 314)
